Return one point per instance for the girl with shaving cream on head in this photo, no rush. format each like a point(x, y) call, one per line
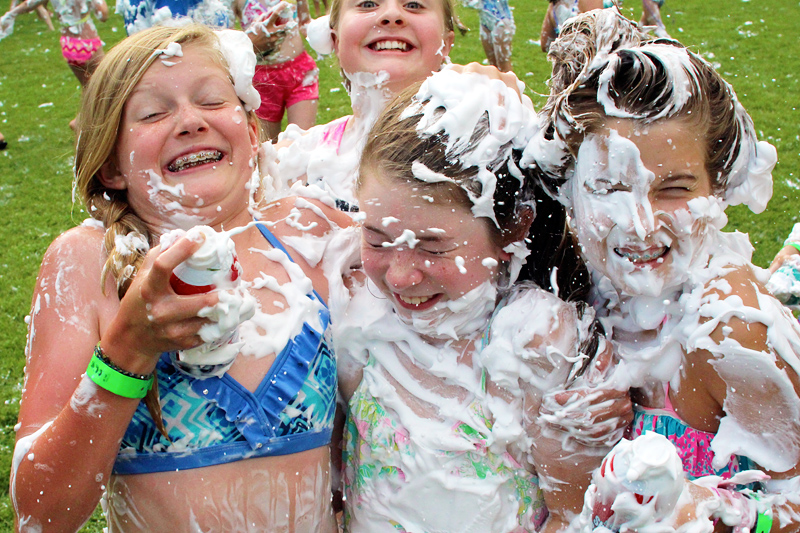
point(168, 142)
point(446, 355)
point(647, 145)
point(383, 46)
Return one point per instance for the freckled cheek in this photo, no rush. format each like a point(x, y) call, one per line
point(476, 272)
point(375, 263)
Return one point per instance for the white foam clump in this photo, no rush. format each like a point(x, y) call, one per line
point(235, 304)
point(238, 52)
point(423, 173)
point(130, 244)
point(677, 65)
point(650, 467)
point(512, 123)
point(319, 36)
point(750, 181)
point(407, 238)
point(313, 159)
point(317, 156)
point(142, 16)
point(453, 319)
point(172, 50)
point(268, 333)
point(539, 353)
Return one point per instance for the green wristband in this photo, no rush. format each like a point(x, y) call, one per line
point(113, 379)
point(764, 522)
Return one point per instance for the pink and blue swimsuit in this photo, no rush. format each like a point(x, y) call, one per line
point(694, 446)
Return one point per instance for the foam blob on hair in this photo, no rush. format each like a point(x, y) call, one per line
point(454, 104)
point(319, 35)
point(238, 52)
point(647, 81)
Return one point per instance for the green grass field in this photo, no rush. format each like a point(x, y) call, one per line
point(752, 42)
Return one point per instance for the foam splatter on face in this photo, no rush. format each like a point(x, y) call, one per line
point(455, 104)
point(632, 226)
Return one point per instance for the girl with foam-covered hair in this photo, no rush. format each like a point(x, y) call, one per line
point(166, 166)
point(449, 354)
point(647, 145)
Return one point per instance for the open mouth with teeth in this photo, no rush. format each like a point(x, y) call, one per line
point(644, 256)
point(417, 303)
point(193, 160)
point(392, 45)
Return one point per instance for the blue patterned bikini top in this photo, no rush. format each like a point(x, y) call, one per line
point(217, 420)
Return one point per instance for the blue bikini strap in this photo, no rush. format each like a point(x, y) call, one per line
point(272, 239)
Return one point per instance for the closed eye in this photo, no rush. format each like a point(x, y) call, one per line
point(376, 245)
point(153, 115)
point(678, 186)
point(605, 187)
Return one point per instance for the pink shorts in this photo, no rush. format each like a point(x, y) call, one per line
point(79, 51)
point(283, 85)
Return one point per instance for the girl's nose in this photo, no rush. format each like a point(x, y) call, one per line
point(191, 120)
point(644, 222)
point(392, 14)
point(402, 272)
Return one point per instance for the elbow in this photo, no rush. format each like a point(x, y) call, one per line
point(40, 506)
point(39, 514)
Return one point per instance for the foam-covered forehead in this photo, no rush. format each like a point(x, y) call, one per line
point(656, 81)
point(688, 79)
point(481, 120)
point(610, 160)
point(237, 50)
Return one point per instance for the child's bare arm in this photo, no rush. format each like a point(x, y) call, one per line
point(750, 369)
point(303, 15)
point(548, 34)
point(26, 7)
point(100, 10)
